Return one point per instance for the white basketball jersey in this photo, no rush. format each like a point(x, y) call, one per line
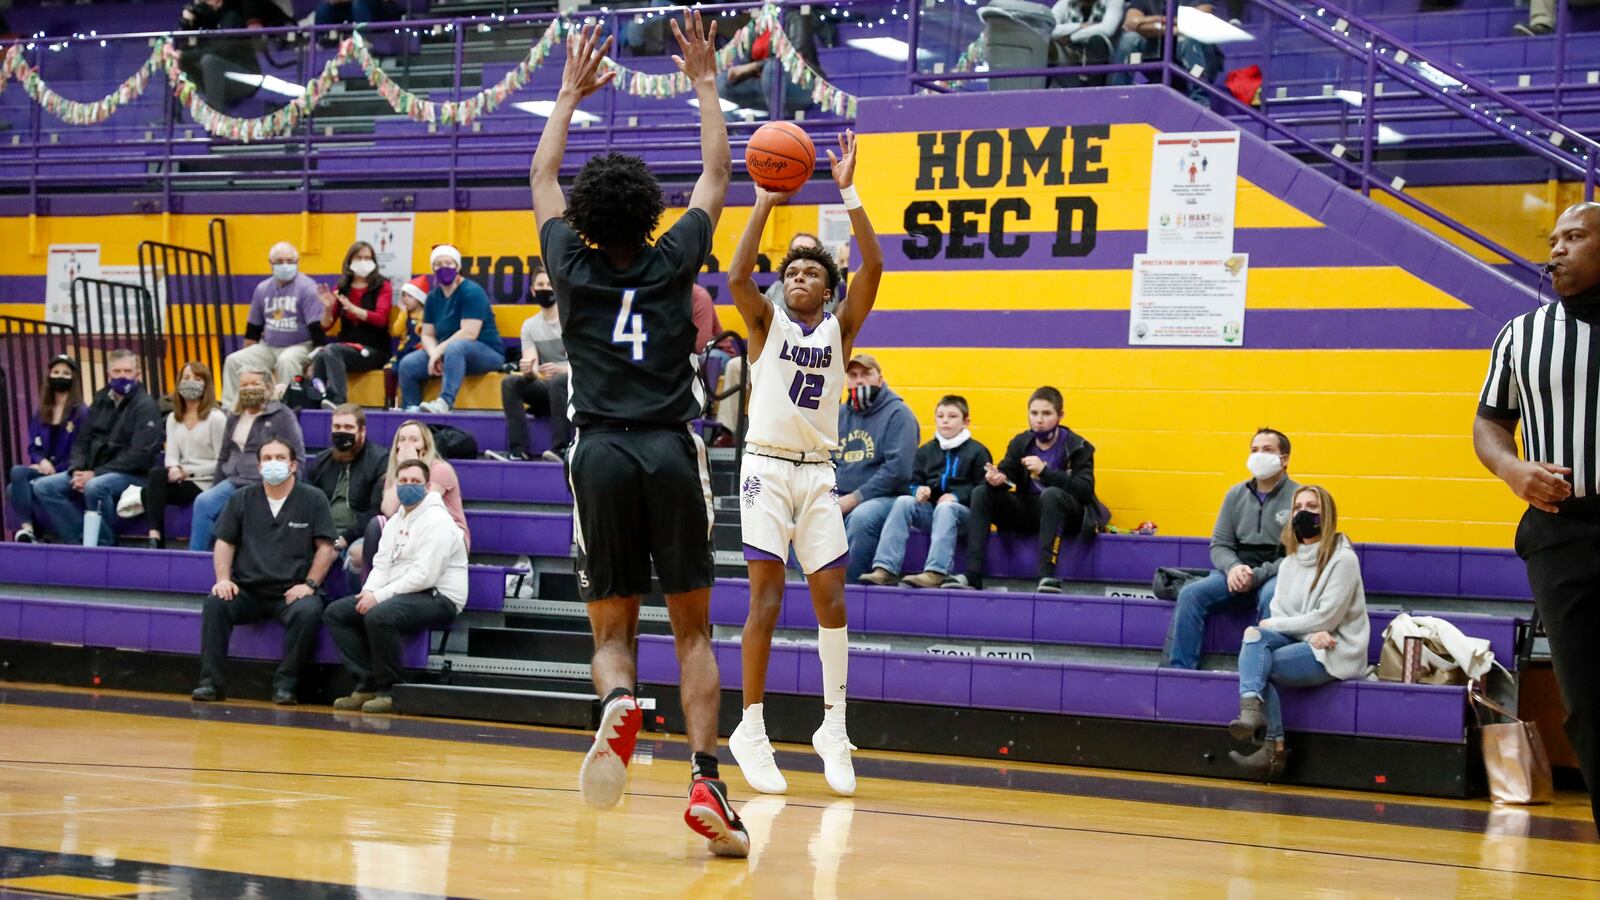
point(795, 386)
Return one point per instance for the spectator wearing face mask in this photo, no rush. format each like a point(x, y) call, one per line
point(350, 472)
point(944, 473)
point(878, 437)
point(359, 307)
point(540, 383)
point(405, 329)
point(459, 336)
point(418, 581)
point(1043, 486)
point(1245, 549)
point(119, 441)
point(1316, 630)
point(274, 548)
point(256, 419)
point(196, 428)
point(285, 322)
point(52, 430)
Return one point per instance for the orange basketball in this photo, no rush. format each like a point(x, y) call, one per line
point(780, 156)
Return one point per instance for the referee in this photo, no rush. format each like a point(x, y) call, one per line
point(1545, 371)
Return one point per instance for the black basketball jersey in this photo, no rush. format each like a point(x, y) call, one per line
point(630, 334)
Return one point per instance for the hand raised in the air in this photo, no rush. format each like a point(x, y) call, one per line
point(583, 74)
point(699, 46)
point(844, 164)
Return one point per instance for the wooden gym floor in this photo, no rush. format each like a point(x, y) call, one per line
point(126, 795)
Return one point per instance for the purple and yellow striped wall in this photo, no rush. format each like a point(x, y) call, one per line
point(1365, 336)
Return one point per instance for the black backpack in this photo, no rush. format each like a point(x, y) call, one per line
point(453, 443)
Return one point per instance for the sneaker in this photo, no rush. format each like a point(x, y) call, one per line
point(959, 583)
point(437, 407)
point(206, 693)
point(25, 536)
point(354, 701)
point(552, 456)
point(383, 704)
point(753, 753)
point(284, 698)
point(413, 408)
point(506, 455)
point(834, 747)
point(329, 405)
point(710, 816)
point(879, 576)
point(1049, 586)
point(924, 580)
point(1527, 30)
point(605, 768)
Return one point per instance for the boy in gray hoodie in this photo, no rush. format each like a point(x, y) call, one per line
point(1246, 548)
point(878, 438)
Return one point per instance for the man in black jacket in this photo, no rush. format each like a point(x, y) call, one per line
point(1045, 484)
point(943, 475)
point(117, 447)
point(350, 473)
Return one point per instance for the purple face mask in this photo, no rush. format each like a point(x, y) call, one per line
point(445, 276)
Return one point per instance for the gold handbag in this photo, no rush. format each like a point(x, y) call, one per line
point(1513, 756)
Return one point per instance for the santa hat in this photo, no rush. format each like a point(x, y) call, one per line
point(417, 288)
point(446, 251)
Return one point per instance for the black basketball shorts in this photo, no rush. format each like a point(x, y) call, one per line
point(640, 495)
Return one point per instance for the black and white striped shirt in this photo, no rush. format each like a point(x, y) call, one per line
point(1545, 369)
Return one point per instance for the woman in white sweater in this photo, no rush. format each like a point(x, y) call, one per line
point(194, 439)
point(1317, 631)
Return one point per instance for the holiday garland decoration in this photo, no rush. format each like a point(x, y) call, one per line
point(74, 112)
point(282, 122)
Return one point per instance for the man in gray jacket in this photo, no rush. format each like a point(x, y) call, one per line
point(1246, 548)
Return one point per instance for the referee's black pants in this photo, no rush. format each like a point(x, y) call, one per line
point(300, 619)
point(1562, 553)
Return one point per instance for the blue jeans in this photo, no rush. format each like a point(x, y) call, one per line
point(461, 358)
point(357, 11)
point(862, 528)
point(63, 507)
point(207, 507)
point(1191, 53)
point(19, 490)
point(1272, 658)
point(1196, 602)
point(943, 521)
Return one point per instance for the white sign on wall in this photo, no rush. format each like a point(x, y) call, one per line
point(1194, 179)
point(64, 263)
point(390, 235)
point(1194, 302)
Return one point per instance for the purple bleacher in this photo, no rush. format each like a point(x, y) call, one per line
point(171, 571)
point(1132, 623)
point(530, 534)
point(1367, 709)
point(1480, 573)
point(517, 482)
point(488, 429)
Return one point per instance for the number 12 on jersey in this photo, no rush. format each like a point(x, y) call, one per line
point(630, 328)
point(806, 390)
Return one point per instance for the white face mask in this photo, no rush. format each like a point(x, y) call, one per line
point(285, 271)
point(1264, 465)
point(361, 268)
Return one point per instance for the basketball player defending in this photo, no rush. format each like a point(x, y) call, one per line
point(639, 481)
point(798, 354)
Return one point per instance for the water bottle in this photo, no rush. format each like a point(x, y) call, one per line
point(91, 529)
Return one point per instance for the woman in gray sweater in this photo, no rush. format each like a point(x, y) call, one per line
point(1317, 631)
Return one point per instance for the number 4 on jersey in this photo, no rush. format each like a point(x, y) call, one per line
point(630, 327)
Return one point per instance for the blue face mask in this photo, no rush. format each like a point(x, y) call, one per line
point(275, 472)
point(411, 494)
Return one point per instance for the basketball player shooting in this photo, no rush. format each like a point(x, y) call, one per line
point(640, 487)
point(798, 353)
